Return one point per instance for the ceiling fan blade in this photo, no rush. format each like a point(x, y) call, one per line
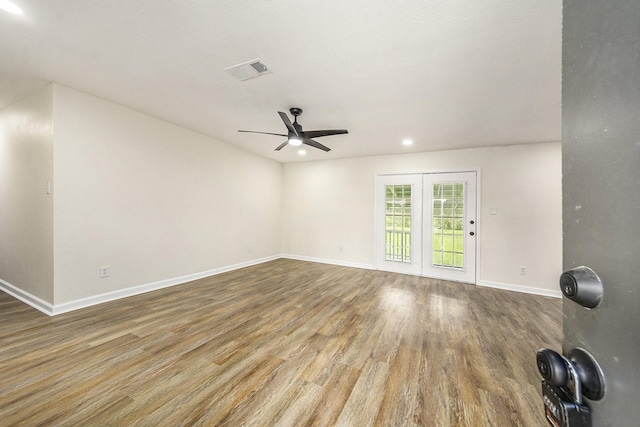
point(315, 144)
point(264, 133)
point(281, 146)
point(288, 123)
point(320, 133)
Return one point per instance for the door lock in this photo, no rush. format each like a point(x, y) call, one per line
point(582, 285)
point(565, 382)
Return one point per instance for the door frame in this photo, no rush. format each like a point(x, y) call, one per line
point(379, 198)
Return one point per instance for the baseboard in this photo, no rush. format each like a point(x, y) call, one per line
point(66, 307)
point(27, 298)
point(53, 309)
point(519, 288)
point(483, 283)
point(136, 290)
point(330, 261)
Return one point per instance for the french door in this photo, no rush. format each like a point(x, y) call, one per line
point(399, 223)
point(426, 225)
point(449, 226)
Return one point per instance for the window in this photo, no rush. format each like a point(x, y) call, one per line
point(448, 224)
point(398, 223)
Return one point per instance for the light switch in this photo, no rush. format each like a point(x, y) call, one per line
point(493, 211)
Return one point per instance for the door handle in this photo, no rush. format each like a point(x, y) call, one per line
point(579, 368)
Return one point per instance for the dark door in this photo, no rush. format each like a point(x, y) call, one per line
point(601, 192)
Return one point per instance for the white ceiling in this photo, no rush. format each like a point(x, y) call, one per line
point(446, 73)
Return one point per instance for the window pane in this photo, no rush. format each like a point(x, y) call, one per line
point(447, 191)
point(437, 258)
point(447, 259)
point(446, 208)
point(459, 190)
point(448, 224)
point(398, 223)
point(458, 260)
point(437, 191)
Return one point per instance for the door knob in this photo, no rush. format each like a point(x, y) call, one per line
point(552, 367)
point(579, 368)
point(472, 234)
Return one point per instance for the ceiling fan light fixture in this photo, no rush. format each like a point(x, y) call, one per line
point(295, 141)
point(296, 136)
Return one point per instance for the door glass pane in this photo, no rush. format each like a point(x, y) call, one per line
point(398, 223)
point(448, 224)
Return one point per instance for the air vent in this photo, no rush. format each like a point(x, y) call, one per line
point(248, 70)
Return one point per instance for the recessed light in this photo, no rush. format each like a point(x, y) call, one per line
point(10, 7)
point(407, 142)
point(302, 152)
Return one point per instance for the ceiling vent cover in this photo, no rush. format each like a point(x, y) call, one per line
point(248, 70)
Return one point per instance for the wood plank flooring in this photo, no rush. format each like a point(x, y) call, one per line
point(286, 343)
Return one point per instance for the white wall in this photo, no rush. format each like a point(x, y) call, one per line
point(26, 210)
point(157, 202)
point(330, 204)
point(151, 200)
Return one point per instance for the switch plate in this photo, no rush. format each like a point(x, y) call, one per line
point(523, 269)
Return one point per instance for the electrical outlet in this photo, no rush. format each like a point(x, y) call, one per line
point(104, 271)
point(250, 248)
point(523, 269)
point(340, 248)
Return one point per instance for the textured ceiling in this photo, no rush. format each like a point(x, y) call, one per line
point(446, 73)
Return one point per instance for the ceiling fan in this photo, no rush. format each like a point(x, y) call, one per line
point(296, 136)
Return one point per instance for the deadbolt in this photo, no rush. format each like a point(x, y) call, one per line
point(582, 285)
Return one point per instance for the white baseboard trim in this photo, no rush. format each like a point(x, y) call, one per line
point(330, 261)
point(66, 307)
point(52, 309)
point(26, 297)
point(519, 288)
point(483, 283)
point(136, 290)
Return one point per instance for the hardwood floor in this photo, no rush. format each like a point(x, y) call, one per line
point(286, 343)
